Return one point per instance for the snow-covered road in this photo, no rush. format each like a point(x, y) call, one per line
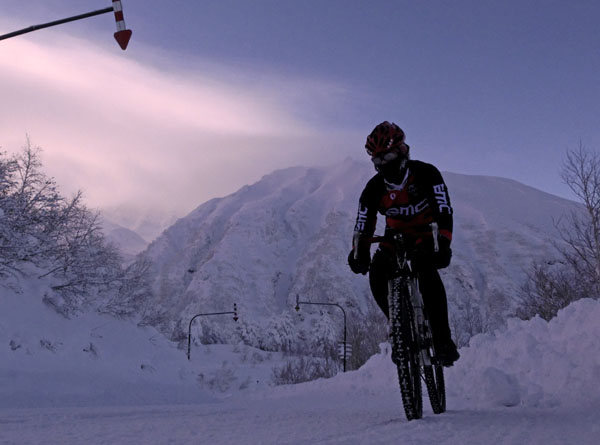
point(300, 417)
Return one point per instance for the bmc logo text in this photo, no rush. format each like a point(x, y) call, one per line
point(441, 196)
point(408, 210)
point(361, 219)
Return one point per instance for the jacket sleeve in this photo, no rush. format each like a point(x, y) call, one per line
point(439, 200)
point(366, 218)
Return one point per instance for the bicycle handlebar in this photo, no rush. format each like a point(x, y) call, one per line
point(390, 239)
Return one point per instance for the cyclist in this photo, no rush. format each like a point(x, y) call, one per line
point(411, 194)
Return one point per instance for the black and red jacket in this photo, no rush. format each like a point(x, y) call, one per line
point(410, 207)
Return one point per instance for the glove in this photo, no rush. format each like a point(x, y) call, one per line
point(361, 264)
point(444, 255)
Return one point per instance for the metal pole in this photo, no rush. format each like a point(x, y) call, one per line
point(298, 303)
point(189, 348)
point(57, 22)
point(345, 342)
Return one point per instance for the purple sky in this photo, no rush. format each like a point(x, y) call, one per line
point(210, 96)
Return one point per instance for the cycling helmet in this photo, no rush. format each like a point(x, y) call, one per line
point(384, 137)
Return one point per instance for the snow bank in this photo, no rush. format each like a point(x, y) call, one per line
point(528, 363)
point(47, 360)
point(533, 363)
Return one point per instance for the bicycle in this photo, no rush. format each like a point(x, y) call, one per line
point(410, 333)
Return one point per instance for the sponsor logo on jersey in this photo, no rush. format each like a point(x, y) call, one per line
point(441, 196)
point(361, 219)
point(408, 210)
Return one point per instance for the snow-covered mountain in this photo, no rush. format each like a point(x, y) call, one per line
point(127, 241)
point(289, 234)
point(147, 222)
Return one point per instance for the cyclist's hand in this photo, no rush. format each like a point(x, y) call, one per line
point(361, 264)
point(443, 255)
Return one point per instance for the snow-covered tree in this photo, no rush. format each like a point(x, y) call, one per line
point(61, 238)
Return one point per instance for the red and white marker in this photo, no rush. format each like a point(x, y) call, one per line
point(122, 35)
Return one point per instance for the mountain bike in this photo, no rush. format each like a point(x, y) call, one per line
point(410, 333)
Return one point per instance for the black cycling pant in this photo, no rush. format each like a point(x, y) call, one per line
point(431, 287)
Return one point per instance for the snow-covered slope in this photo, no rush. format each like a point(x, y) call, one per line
point(47, 360)
point(289, 234)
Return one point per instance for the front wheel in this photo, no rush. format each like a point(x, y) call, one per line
point(405, 349)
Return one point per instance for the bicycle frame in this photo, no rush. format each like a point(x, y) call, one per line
point(405, 272)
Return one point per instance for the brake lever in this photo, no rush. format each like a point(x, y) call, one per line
point(435, 232)
point(355, 241)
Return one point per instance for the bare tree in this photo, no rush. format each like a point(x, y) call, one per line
point(581, 231)
point(134, 287)
point(554, 285)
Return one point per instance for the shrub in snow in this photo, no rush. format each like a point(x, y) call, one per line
point(147, 368)
point(549, 288)
point(469, 317)
point(91, 349)
point(303, 369)
point(50, 345)
point(248, 332)
point(280, 334)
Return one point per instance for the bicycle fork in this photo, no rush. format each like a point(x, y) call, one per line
point(424, 338)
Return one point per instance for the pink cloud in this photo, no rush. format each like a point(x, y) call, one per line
point(122, 128)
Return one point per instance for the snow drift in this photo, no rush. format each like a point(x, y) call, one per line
point(534, 362)
point(530, 363)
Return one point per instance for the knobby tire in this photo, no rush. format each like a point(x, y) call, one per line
point(433, 374)
point(405, 349)
point(436, 388)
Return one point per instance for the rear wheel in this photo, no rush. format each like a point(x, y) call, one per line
point(405, 349)
point(433, 373)
point(436, 388)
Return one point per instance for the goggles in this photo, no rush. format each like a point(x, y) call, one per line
point(385, 158)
